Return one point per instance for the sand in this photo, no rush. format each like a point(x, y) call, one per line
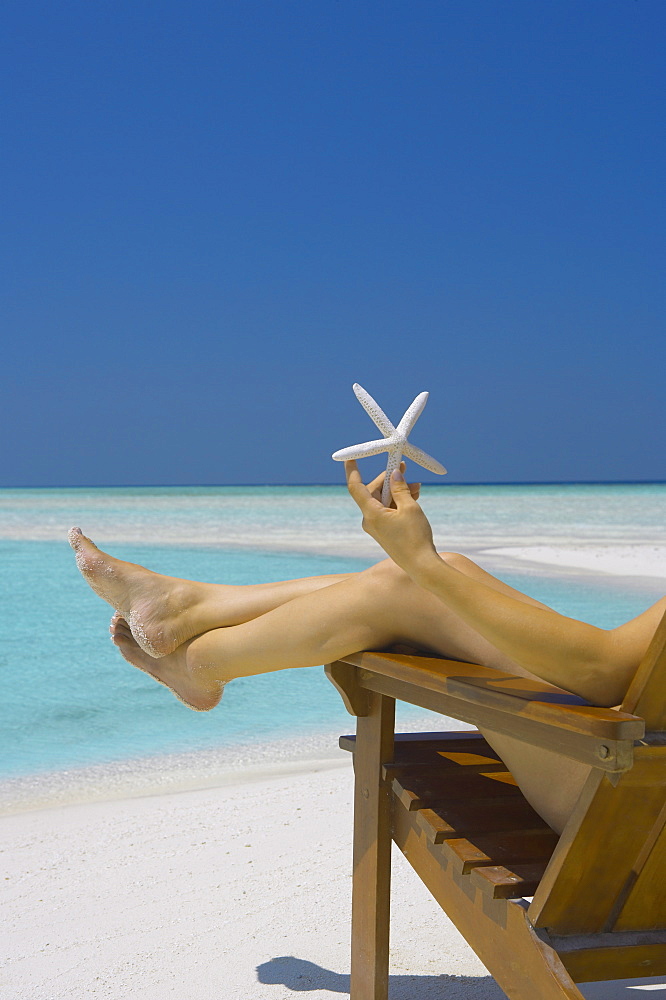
point(643, 561)
point(235, 893)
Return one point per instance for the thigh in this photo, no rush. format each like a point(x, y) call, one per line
point(411, 615)
point(550, 783)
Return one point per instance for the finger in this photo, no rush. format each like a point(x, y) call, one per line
point(399, 489)
point(415, 490)
point(377, 483)
point(357, 488)
point(354, 480)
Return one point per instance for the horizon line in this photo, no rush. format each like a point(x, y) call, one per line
point(504, 482)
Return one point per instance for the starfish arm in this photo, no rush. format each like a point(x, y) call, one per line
point(394, 459)
point(374, 410)
point(421, 458)
point(364, 450)
point(412, 414)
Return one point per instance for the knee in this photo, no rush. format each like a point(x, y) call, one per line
point(386, 574)
point(454, 559)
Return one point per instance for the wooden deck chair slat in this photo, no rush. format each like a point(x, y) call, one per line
point(420, 747)
point(504, 848)
point(647, 692)
point(482, 815)
point(446, 764)
point(501, 882)
point(463, 751)
point(419, 790)
point(611, 960)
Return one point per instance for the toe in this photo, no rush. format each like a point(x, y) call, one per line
point(78, 540)
point(118, 626)
point(122, 629)
point(74, 536)
point(89, 559)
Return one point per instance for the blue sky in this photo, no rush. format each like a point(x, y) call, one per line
point(219, 216)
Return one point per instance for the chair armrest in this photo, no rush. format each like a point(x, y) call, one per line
point(529, 710)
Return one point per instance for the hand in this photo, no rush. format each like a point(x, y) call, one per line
point(402, 529)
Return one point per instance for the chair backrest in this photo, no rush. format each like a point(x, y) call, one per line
point(608, 870)
point(646, 695)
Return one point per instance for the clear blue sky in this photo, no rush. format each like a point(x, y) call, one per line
point(220, 215)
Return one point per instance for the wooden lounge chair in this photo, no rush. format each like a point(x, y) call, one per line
point(598, 910)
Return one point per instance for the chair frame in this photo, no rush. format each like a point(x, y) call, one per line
point(598, 911)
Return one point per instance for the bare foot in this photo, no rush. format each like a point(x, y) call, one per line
point(193, 688)
point(160, 610)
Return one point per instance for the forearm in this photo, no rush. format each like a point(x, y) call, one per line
point(566, 652)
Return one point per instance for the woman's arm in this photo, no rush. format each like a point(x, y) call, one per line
point(589, 661)
point(470, 568)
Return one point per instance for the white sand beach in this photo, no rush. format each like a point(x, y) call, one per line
point(234, 893)
point(643, 561)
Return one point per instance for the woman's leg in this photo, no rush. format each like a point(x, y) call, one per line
point(378, 607)
point(164, 611)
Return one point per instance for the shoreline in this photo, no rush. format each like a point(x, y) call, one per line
point(148, 777)
point(175, 773)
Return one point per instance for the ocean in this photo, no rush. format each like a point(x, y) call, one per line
point(70, 702)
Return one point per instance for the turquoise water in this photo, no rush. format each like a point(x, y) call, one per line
point(69, 700)
point(323, 519)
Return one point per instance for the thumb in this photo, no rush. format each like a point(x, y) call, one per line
point(399, 488)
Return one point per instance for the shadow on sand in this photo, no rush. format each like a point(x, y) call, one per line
point(301, 977)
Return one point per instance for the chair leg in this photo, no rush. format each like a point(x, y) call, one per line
point(372, 852)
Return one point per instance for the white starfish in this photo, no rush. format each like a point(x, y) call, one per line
point(394, 441)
